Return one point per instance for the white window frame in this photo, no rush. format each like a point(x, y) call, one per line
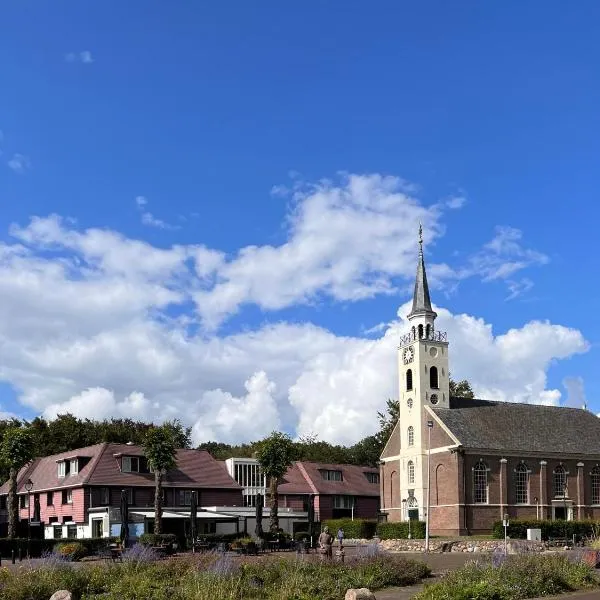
point(595, 484)
point(410, 472)
point(69, 496)
point(480, 470)
point(521, 484)
point(74, 466)
point(62, 468)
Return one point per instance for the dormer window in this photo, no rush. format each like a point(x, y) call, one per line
point(134, 464)
point(74, 466)
point(331, 475)
point(372, 477)
point(62, 468)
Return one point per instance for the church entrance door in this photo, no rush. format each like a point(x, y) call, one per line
point(560, 513)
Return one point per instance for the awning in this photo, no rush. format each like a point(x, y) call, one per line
point(149, 514)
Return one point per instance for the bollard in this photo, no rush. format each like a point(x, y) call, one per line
point(20, 554)
point(13, 556)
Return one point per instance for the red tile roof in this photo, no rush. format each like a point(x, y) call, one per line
point(195, 469)
point(305, 478)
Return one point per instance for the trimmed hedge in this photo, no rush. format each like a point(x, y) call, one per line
point(399, 531)
point(357, 529)
point(517, 528)
point(38, 547)
point(157, 539)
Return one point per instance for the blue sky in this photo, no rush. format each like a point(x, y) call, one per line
point(223, 120)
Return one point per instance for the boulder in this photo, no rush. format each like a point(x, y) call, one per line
point(61, 595)
point(359, 594)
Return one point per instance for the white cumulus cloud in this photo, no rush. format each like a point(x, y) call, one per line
point(98, 324)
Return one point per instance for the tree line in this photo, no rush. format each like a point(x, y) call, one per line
point(22, 441)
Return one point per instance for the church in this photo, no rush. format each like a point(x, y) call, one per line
point(473, 461)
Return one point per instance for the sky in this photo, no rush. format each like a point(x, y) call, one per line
point(209, 211)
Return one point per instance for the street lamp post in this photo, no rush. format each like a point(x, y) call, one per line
point(565, 494)
point(429, 428)
point(28, 488)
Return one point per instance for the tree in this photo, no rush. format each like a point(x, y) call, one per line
point(275, 454)
point(387, 421)
point(16, 451)
point(160, 449)
point(461, 389)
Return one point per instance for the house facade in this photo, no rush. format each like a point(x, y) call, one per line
point(474, 461)
point(337, 490)
point(77, 494)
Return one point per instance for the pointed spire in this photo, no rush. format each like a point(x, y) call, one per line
point(421, 300)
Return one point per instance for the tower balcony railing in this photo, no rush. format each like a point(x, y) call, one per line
point(432, 336)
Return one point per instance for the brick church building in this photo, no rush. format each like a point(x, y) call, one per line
point(486, 459)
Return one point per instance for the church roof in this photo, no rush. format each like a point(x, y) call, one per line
point(526, 428)
point(421, 299)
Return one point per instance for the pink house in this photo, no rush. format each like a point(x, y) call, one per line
point(77, 494)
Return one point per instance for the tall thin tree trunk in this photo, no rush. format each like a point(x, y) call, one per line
point(274, 520)
point(12, 504)
point(158, 476)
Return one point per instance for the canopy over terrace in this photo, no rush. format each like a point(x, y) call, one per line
point(178, 522)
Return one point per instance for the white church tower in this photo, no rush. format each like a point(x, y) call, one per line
point(424, 381)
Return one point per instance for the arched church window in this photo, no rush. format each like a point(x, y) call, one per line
point(427, 330)
point(411, 472)
point(411, 435)
point(409, 380)
point(559, 482)
point(522, 484)
point(434, 383)
point(420, 332)
point(414, 332)
point(596, 485)
point(480, 483)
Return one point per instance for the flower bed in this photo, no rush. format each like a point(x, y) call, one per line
point(512, 578)
point(212, 576)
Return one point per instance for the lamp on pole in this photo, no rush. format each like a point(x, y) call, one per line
point(537, 509)
point(429, 428)
point(28, 488)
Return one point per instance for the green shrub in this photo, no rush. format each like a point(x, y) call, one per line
point(72, 550)
point(158, 539)
point(399, 531)
point(518, 577)
point(357, 529)
point(517, 528)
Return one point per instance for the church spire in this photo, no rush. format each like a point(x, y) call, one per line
point(421, 300)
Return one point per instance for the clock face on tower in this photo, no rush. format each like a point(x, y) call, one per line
point(408, 355)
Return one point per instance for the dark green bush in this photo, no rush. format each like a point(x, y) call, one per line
point(158, 539)
point(517, 528)
point(357, 529)
point(517, 578)
point(398, 531)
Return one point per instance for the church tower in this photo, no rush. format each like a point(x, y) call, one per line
point(424, 381)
